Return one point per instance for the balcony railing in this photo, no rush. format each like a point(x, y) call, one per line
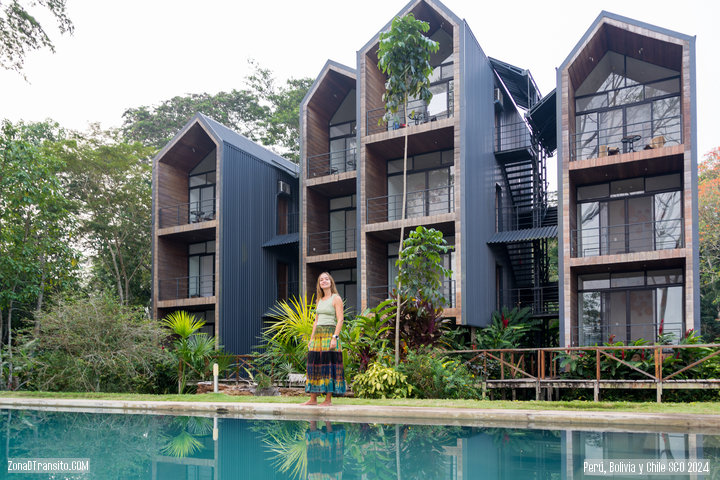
point(187, 287)
point(185, 213)
point(512, 136)
point(541, 300)
point(287, 223)
point(604, 332)
point(422, 203)
point(626, 138)
point(335, 241)
point(627, 238)
point(378, 294)
point(331, 163)
point(418, 112)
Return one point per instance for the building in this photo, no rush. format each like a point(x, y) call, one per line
point(475, 171)
point(627, 175)
point(224, 230)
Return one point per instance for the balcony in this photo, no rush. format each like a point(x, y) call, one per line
point(187, 213)
point(335, 241)
point(331, 163)
point(186, 287)
point(598, 333)
point(381, 293)
point(512, 137)
point(595, 142)
point(627, 238)
point(422, 203)
point(418, 112)
point(520, 218)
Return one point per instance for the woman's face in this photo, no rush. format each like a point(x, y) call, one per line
point(325, 281)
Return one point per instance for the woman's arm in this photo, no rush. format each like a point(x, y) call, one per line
point(312, 335)
point(338, 304)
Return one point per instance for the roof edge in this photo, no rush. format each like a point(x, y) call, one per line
point(329, 65)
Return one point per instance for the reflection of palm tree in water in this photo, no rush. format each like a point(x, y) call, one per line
point(325, 450)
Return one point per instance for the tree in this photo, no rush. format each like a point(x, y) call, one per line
point(404, 57)
point(709, 230)
point(37, 222)
point(111, 182)
point(262, 111)
point(21, 33)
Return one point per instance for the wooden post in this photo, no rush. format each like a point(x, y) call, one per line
point(502, 365)
point(541, 362)
point(658, 373)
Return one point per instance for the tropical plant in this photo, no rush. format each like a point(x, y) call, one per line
point(182, 438)
point(404, 57)
point(192, 351)
point(436, 375)
point(380, 381)
point(365, 337)
point(506, 329)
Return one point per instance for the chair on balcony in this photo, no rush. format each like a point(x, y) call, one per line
point(606, 151)
point(656, 142)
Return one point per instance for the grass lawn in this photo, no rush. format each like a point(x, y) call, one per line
point(712, 408)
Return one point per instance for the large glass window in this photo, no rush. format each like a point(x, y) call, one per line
point(343, 221)
point(429, 185)
point(626, 105)
point(632, 215)
point(346, 283)
point(629, 306)
point(201, 269)
point(201, 188)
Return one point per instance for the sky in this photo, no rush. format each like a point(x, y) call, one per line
point(141, 52)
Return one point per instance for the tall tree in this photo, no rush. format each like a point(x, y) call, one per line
point(111, 181)
point(36, 224)
point(709, 229)
point(404, 57)
point(21, 32)
point(262, 111)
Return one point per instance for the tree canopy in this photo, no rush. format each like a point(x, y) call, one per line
point(709, 230)
point(21, 32)
point(263, 111)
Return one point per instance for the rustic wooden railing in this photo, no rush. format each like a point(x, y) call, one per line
point(539, 368)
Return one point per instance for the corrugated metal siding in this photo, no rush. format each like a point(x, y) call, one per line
point(525, 235)
point(479, 175)
point(247, 270)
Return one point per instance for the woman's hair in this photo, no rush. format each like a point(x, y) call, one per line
point(319, 291)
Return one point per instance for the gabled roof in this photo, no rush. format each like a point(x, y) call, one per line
point(519, 83)
point(220, 134)
point(608, 17)
point(329, 66)
point(434, 4)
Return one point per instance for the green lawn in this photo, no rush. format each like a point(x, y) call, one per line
point(649, 407)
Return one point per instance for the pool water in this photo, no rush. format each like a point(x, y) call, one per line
point(120, 446)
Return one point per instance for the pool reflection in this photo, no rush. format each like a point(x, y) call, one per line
point(171, 447)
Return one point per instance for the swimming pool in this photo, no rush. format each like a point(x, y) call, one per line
point(146, 446)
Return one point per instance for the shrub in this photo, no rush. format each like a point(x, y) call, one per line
point(379, 381)
point(95, 344)
point(434, 375)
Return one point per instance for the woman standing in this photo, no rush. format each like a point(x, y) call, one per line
point(325, 373)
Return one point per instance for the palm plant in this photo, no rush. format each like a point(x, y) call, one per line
point(192, 350)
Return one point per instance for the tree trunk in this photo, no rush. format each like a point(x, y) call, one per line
point(402, 237)
point(40, 296)
point(117, 275)
point(9, 343)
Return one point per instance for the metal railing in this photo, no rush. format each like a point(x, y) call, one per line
point(626, 138)
point(421, 203)
point(541, 300)
point(287, 223)
point(185, 213)
point(597, 333)
point(512, 136)
point(627, 238)
point(380, 293)
point(519, 218)
point(331, 163)
point(187, 287)
point(334, 241)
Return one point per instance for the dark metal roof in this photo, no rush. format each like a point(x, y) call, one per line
point(542, 118)
point(515, 236)
point(519, 83)
point(280, 240)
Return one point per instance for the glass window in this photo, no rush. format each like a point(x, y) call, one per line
point(427, 160)
point(668, 220)
point(607, 75)
point(591, 103)
point(666, 120)
point(637, 122)
point(447, 157)
point(586, 140)
point(669, 310)
point(631, 279)
point(621, 188)
point(594, 281)
point(211, 246)
point(664, 277)
point(341, 202)
point(665, 87)
point(626, 95)
point(610, 125)
point(593, 191)
point(664, 182)
point(195, 248)
point(340, 130)
point(197, 180)
point(590, 314)
point(589, 223)
point(396, 166)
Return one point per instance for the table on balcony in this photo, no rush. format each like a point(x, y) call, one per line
point(629, 142)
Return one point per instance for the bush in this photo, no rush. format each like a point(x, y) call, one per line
point(95, 344)
point(379, 381)
point(434, 375)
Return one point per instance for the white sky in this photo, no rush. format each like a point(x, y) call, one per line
point(140, 52)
